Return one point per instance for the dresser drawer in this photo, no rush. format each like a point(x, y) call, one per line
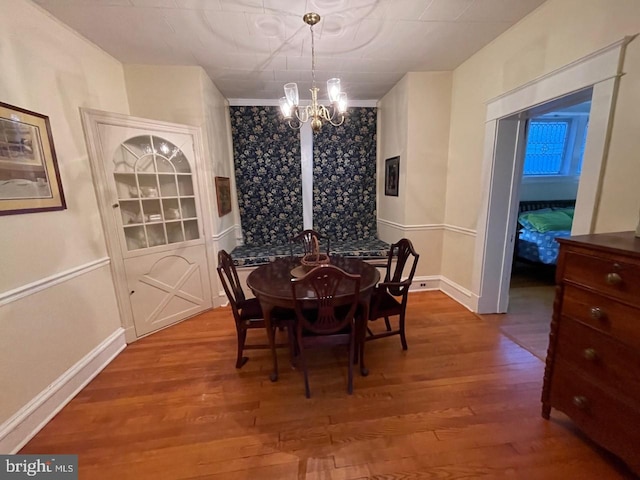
point(607, 275)
point(605, 418)
point(602, 313)
point(601, 359)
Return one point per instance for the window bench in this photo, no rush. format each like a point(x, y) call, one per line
point(251, 255)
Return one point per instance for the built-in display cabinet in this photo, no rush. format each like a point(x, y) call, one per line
point(149, 190)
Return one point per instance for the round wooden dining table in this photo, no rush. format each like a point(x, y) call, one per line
point(271, 284)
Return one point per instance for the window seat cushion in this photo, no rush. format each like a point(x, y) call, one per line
point(253, 255)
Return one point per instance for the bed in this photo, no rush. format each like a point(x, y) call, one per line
point(540, 222)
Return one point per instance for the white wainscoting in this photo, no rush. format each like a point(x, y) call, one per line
point(389, 229)
point(225, 240)
point(47, 282)
point(30, 419)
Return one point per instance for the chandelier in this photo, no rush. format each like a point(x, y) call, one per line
point(317, 113)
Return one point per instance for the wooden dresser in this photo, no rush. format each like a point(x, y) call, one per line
point(593, 363)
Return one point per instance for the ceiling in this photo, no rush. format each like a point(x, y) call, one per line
point(250, 48)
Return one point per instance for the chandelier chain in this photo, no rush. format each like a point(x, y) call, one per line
point(313, 57)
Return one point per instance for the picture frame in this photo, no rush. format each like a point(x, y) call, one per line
point(29, 176)
point(223, 195)
point(391, 176)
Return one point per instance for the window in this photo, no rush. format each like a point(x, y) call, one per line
point(546, 147)
point(555, 145)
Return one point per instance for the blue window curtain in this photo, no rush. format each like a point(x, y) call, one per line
point(266, 154)
point(546, 147)
point(344, 177)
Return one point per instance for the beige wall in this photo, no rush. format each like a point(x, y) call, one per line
point(393, 118)
point(620, 199)
point(217, 130)
point(49, 69)
point(413, 121)
point(557, 33)
point(428, 147)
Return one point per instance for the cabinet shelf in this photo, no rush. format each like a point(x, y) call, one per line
point(157, 187)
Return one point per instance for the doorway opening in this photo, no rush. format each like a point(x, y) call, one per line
point(555, 139)
point(505, 135)
point(550, 165)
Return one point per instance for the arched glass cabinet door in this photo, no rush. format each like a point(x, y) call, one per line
point(154, 184)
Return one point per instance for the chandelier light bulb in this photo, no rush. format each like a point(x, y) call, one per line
point(333, 88)
point(286, 109)
point(342, 102)
point(291, 92)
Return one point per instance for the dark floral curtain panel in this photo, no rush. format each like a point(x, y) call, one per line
point(266, 154)
point(344, 177)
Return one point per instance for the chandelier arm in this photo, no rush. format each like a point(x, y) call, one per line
point(298, 127)
point(339, 123)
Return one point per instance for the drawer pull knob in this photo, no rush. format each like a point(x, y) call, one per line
point(613, 279)
point(597, 313)
point(589, 354)
point(581, 402)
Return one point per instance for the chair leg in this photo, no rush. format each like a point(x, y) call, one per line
point(291, 334)
point(240, 360)
point(361, 341)
point(403, 338)
point(307, 390)
point(387, 323)
point(352, 342)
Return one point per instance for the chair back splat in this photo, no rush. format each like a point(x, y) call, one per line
point(390, 296)
point(326, 300)
point(230, 281)
point(307, 239)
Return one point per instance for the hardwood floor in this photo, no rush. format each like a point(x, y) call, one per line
point(462, 402)
point(528, 319)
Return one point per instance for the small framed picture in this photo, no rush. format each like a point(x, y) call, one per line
point(391, 176)
point(29, 176)
point(223, 195)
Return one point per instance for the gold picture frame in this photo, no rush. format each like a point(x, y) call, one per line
point(223, 195)
point(29, 175)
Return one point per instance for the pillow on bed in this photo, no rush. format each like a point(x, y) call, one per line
point(523, 218)
point(547, 221)
point(568, 210)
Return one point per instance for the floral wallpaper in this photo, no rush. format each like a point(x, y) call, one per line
point(268, 175)
point(344, 177)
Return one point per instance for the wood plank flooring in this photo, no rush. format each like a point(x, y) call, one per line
point(462, 402)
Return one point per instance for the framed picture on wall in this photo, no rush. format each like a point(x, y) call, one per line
point(223, 195)
point(391, 176)
point(29, 176)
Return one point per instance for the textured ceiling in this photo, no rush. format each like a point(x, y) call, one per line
point(250, 48)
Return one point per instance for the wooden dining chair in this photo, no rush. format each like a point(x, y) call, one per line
point(303, 243)
point(247, 312)
point(389, 298)
point(329, 317)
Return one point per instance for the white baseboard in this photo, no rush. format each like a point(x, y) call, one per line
point(29, 420)
point(425, 283)
point(446, 286)
point(457, 292)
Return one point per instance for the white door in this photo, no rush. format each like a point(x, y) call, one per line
point(150, 181)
